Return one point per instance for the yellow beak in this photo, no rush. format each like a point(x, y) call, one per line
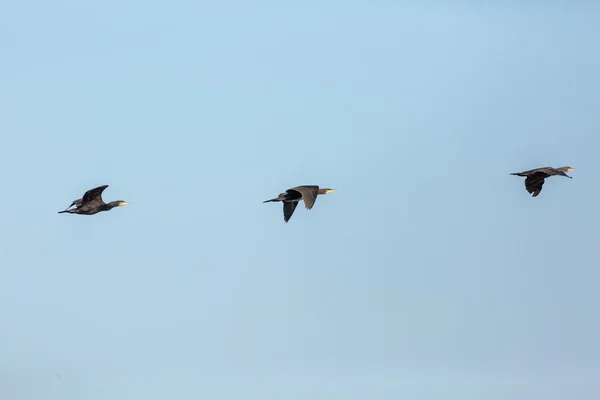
point(124, 203)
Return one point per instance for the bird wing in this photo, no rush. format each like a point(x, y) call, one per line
point(76, 203)
point(94, 194)
point(309, 194)
point(288, 209)
point(534, 183)
point(292, 194)
point(548, 171)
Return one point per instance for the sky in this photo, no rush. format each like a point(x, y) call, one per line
point(430, 274)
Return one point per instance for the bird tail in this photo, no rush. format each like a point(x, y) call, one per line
point(65, 211)
point(516, 173)
point(272, 200)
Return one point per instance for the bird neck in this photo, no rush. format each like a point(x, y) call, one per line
point(111, 205)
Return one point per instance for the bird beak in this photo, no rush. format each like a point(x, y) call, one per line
point(124, 203)
point(570, 169)
point(331, 191)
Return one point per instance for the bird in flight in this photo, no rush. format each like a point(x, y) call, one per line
point(535, 177)
point(291, 198)
point(92, 203)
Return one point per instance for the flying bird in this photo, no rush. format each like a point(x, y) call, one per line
point(291, 198)
point(535, 177)
point(92, 203)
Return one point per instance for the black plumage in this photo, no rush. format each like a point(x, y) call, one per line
point(535, 178)
point(91, 203)
point(291, 198)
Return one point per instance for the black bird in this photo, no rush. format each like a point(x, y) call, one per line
point(535, 177)
point(92, 203)
point(293, 196)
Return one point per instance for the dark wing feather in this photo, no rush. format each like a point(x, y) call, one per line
point(292, 194)
point(546, 171)
point(76, 203)
point(94, 194)
point(288, 209)
point(534, 184)
point(309, 194)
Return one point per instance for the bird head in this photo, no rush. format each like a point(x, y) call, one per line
point(563, 171)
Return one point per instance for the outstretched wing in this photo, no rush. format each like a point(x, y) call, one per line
point(546, 171)
point(76, 203)
point(288, 209)
point(534, 184)
point(309, 194)
point(292, 194)
point(94, 194)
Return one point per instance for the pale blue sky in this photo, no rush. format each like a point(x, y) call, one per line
point(431, 274)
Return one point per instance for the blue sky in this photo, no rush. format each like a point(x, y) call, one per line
point(431, 274)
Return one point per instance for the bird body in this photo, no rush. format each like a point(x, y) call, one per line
point(291, 198)
point(91, 203)
point(535, 178)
